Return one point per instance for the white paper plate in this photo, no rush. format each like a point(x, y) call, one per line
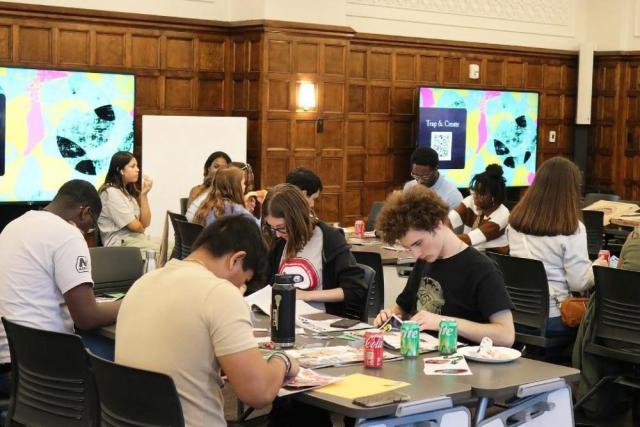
point(508, 354)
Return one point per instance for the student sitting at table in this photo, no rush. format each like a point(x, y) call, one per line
point(45, 270)
point(190, 321)
point(216, 161)
point(545, 225)
point(125, 208)
point(300, 243)
point(308, 182)
point(630, 254)
point(224, 198)
point(482, 215)
point(450, 279)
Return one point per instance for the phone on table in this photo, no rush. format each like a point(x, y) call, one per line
point(344, 323)
point(379, 399)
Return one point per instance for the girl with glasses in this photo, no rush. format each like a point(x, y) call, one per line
point(300, 243)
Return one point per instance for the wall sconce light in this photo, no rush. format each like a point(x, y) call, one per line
point(306, 96)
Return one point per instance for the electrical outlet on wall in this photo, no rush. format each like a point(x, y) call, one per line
point(552, 136)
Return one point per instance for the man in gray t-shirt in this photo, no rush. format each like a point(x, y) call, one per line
point(424, 170)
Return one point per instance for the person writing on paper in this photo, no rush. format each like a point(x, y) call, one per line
point(450, 280)
point(482, 215)
point(300, 243)
point(210, 328)
point(545, 225)
point(45, 269)
point(125, 208)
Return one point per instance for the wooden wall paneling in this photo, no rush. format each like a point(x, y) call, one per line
point(35, 44)
point(6, 41)
point(74, 47)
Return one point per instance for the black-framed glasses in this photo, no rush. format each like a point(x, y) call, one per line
point(282, 229)
point(94, 220)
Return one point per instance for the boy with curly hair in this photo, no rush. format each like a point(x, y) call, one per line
point(450, 280)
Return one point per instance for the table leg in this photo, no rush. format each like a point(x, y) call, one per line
point(481, 410)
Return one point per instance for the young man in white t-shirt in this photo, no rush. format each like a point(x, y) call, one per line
point(189, 320)
point(45, 268)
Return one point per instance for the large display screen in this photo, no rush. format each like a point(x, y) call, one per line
point(471, 129)
point(60, 125)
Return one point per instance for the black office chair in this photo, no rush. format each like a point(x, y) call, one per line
point(177, 237)
point(52, 384)
point(591, 198)
point(184, 205)
point(593, 222)
point(373, 215)
point(362, 312)
point(375, 300)
point(115, 268)
point(135, 397)
point(616, 331)
point(189, 232)
point(527, 285)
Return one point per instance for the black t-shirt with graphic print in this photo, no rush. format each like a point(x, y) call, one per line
point(467, 285)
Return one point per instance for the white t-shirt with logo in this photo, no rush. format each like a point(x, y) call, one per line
point(307, 263)
point(43, 256)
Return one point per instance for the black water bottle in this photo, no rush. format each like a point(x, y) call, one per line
point(283, 310)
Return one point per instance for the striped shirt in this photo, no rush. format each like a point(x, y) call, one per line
point(483, 232)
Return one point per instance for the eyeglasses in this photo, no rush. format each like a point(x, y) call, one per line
point(421, 177)
point(94, 219)
point(282, 229)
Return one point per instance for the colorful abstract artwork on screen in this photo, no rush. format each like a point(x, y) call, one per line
point(60, 125)
point(471, 129)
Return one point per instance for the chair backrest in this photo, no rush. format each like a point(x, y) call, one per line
point(115, 268)
point(135, 397)
point(52, 384)
point(591, 198)
point(370, 281)
point(527, 285)
point(373, 215)
point(375, 299)
point(189, 232)
point(177, 237)
point(593, 223)
point(617, 300)
point(183, 205)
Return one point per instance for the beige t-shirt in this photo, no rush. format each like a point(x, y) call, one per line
point(177, 320)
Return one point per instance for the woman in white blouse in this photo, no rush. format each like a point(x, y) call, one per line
point(545, 225)
point(125, 208)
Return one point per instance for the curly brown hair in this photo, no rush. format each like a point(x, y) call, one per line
point(418, 208)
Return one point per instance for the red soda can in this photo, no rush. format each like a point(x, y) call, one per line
point(359, 228)
point(373, 349)
point(605, 254)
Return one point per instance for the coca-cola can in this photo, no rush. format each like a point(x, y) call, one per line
point(359, 228)
point(373, 349)
point(605, 254)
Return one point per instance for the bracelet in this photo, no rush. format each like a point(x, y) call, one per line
point(284, 358)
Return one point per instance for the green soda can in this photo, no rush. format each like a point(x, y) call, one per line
point(448, 337)
point(409, 339)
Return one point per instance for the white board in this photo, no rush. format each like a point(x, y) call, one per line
point(174, 149)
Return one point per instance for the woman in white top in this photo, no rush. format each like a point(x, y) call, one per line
point(216, 161)
point(545, 225)
point(482, 215)
point(125, 209)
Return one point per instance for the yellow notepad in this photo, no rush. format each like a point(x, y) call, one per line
point(358, 385)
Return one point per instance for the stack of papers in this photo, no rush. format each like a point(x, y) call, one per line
point(331, 356)
point(306, 379)
point(322, 326)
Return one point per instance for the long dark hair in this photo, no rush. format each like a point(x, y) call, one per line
point(114, 175)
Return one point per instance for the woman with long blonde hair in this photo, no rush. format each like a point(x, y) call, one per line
point(225, 197)
point(545, 225)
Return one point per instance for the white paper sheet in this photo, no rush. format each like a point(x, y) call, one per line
point(262, 300)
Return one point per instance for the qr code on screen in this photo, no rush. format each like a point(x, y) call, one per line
point(441, 143)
